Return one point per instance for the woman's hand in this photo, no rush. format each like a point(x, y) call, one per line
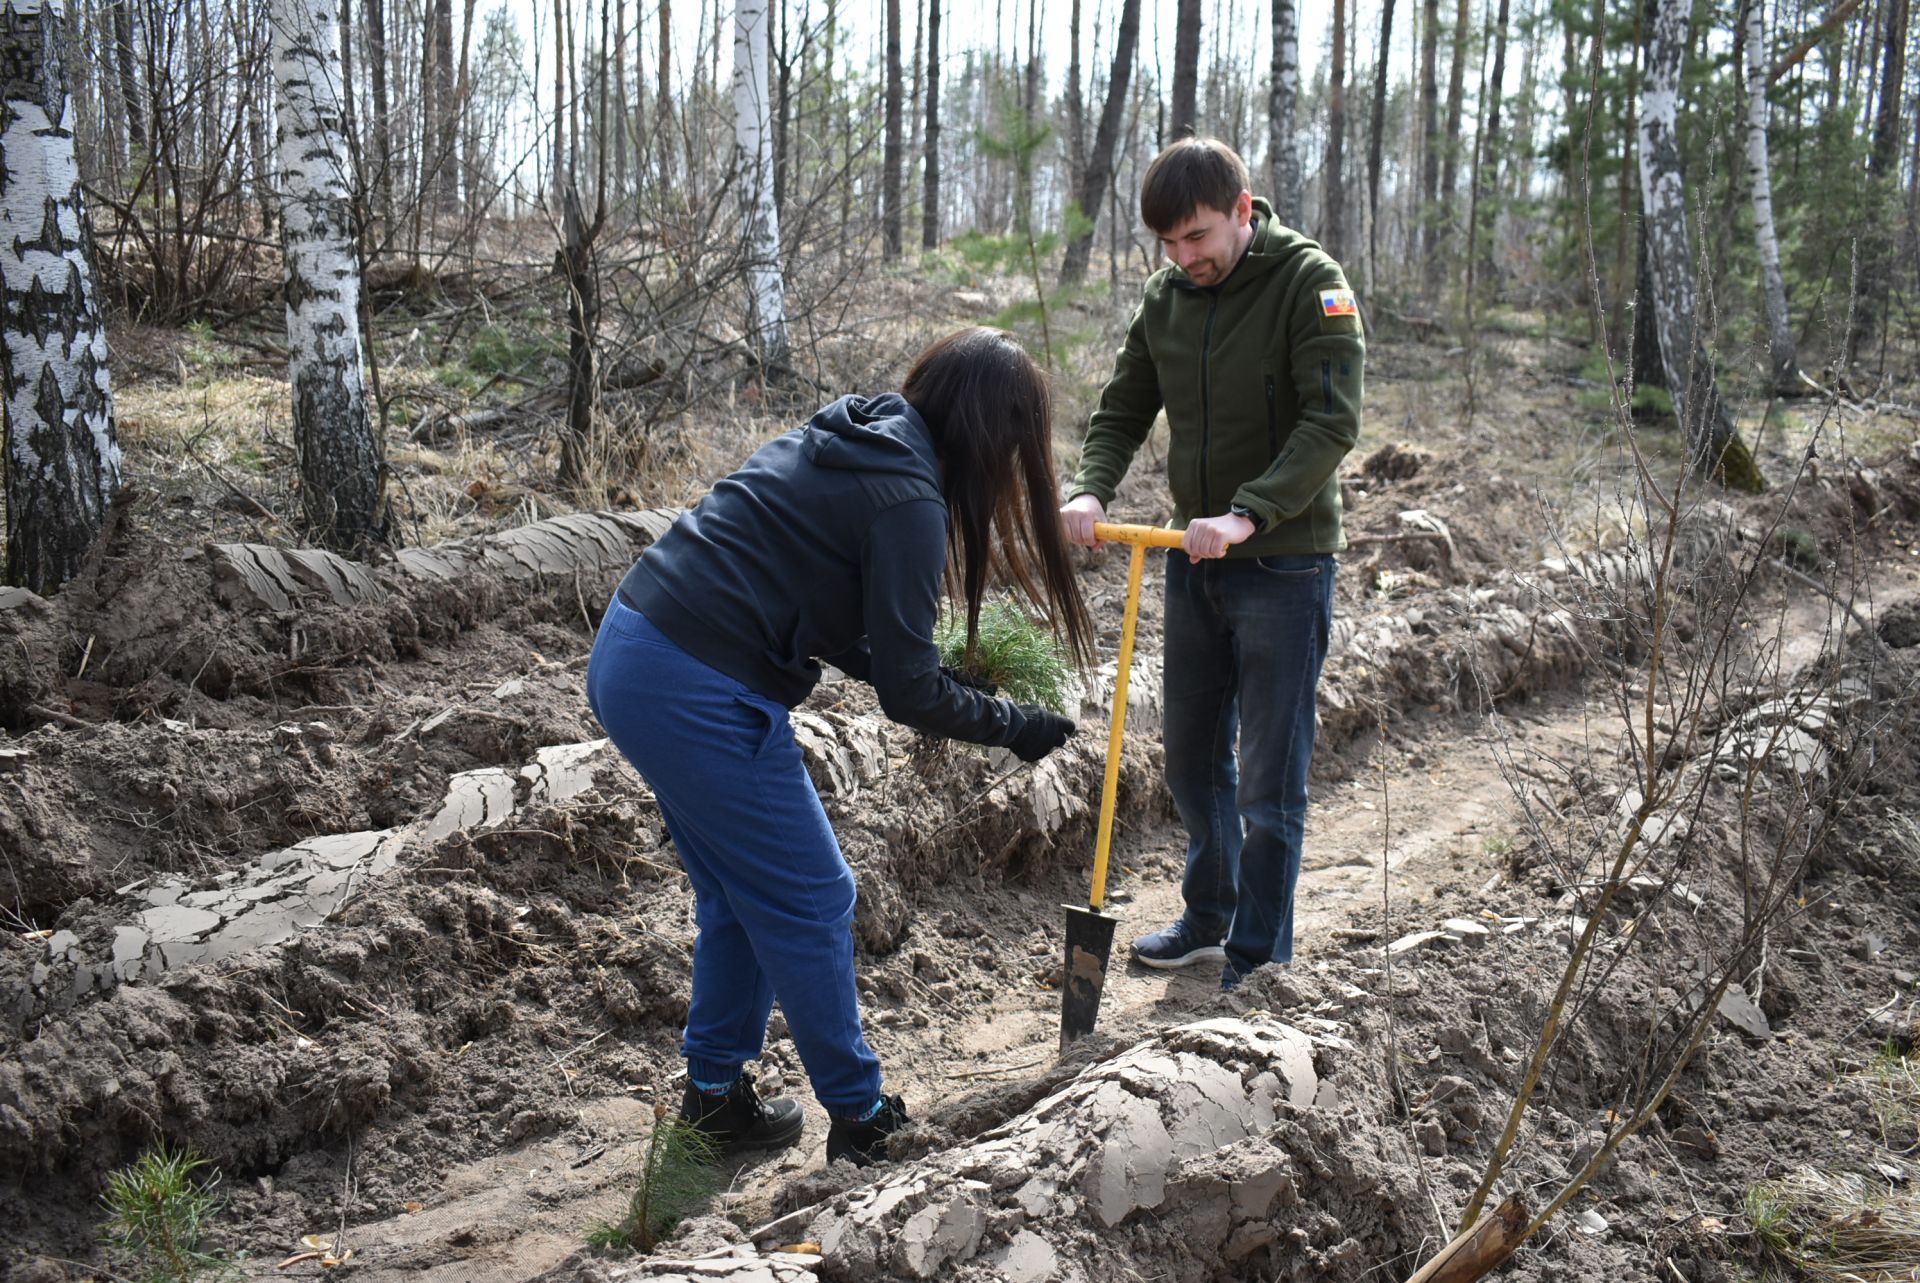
point(1043, 731)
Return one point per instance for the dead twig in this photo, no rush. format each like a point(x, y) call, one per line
point(582, 1047)
point(566, 1075)
point(991, 1070)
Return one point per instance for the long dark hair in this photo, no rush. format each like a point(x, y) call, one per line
point(991, 414)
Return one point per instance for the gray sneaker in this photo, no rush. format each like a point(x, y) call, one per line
point(1177, 946)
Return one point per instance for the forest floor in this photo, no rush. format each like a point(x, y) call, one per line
point(343, 892)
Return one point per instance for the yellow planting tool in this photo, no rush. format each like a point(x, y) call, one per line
point(1089, 931)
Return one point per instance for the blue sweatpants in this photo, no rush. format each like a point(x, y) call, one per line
point(773, 896)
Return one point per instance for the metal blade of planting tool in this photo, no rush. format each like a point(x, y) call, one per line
point(1089, 931)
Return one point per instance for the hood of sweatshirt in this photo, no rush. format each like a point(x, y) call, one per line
point(872, 434)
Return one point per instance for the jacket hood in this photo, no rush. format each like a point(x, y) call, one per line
point(872, 434)
point(1273, 245)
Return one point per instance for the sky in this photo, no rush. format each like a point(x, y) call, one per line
point(1242, 27)
point(970, 23)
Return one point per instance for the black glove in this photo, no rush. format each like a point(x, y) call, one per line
point(1044, 731)
point(961, 677)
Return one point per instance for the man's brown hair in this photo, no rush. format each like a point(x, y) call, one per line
point(1188, 174)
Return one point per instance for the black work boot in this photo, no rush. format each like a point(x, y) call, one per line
point(740, 1119)
point(865, 1143)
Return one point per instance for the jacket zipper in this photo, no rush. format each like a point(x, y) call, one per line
point(1326, 385)
point(1206, 408)
point(1273, 422)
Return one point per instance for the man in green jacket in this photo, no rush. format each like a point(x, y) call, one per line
point(1251, 342)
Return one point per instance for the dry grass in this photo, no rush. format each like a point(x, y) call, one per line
point(1841, 1226)
point(1854, 1227)
point(1893, 1093)
point(205, 420)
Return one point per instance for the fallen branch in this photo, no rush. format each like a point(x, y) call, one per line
point(1866, 625)
point(1478, 1250)
point(214, 471)
point(1433, 536)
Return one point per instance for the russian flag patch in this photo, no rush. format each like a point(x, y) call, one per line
point(1338, 303)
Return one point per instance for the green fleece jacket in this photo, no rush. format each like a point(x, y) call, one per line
point(1260, 377)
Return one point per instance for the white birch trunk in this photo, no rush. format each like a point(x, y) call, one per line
point(753, 159)
point(62, 457)
point(1713, 446)
point(340, 453)
point(1780, 344)
point(1282, 94)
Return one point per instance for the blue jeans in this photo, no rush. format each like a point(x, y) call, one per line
point(1245, 639)
point(773, 896)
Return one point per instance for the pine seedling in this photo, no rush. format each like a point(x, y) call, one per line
point(158, 1211)
point(679, 1174)
point(1015, 653)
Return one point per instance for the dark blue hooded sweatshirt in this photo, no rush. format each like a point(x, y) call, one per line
point(829, 543)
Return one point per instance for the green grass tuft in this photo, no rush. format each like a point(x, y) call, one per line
point(496, 350)
point(1014, 652)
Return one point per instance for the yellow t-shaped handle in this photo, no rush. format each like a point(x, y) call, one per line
point(1142, 538)
point(1139, 536)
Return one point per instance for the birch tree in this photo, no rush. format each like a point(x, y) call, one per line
point(1782, 358)
point(62, 458)
point(753, 161)
point(1714, 447)
point(341, 465)
point(1283, 95)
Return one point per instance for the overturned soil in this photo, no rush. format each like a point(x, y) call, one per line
point(340, 890)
